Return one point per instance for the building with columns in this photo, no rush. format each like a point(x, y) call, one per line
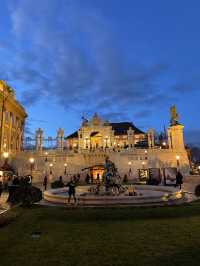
point(99, 134)
point(133, 151)
point(12, 120)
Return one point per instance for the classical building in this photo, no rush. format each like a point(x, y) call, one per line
point(134, 152)
point(99, 134)
point(12, 120)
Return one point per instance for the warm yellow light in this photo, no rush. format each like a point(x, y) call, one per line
point(31, 160)
point(65, 165)
point(129, 163)
point(177, 157)
point(199, 167)
point(164, 143)
point(51, 165)
point(5, 155)
point(46, 153)
point(145, 151)
point(143, 163)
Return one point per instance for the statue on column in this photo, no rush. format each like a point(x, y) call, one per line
point(174, 116)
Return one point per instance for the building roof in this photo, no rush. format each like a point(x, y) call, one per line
point(73, 135)
point(120, 128)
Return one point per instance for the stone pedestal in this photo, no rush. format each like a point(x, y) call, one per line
point(175, 137)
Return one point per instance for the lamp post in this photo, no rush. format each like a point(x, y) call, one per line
point(143, 163)
point(130, 170)
point(46, 154)
point(178, 161)
point(65, 166)
point(31, 160)
point(5, 156)
point(50, 166)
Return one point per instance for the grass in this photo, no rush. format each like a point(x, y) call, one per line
point(113, 236)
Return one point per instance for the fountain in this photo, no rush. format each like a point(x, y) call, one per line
point(112, 192)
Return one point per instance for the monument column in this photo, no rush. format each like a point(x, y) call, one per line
point(60, 139)
point(131, 137)
point(175, 131)
point(39, 139)
point(175, 137)
point(150, 136)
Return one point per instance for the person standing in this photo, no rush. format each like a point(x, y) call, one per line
point(45, 183)
point(179, 179)
point(72, 190)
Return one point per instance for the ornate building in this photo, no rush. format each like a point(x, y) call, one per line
point(12, 120)
point(100, 134)
point(134, 152)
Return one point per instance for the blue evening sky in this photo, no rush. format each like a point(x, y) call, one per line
point(127, 60)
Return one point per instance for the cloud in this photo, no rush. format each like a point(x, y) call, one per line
point(192, 137)
point(69, 52)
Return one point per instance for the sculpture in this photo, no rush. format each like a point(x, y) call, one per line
point(110, 174)
point(174, 116)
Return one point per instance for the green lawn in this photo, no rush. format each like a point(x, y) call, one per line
point(113, 236)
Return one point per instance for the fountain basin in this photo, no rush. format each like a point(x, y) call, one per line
point(146, 195)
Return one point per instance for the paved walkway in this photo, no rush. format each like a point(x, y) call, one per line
point(4, 206)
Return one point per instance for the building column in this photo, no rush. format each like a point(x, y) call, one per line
point(39, 139)
point(131, 137)
point(60, 139)
point(150, 136)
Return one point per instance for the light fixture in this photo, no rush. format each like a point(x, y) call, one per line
point(145, 151)
point(65, 164)
point(31, 160)
point(5, 155)
point(51, 165)
point(129, 163)
point(177, 157)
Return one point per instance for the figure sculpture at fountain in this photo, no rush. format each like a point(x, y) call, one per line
point(111, 176)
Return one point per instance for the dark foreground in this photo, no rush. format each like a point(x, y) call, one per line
point(127, 236)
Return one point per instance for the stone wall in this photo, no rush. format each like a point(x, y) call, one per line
point(124, 160)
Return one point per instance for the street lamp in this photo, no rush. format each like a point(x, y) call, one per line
point(5, 155)
point(31, 160)
point(143, 163)
point(46, 154)
point(199, 169)
point(164, 144)
point(65, 165)
point(50, 165)
point(178, 160)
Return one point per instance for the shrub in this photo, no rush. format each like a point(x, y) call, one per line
point(25, 195)
point(197, 191)
point(57, 184)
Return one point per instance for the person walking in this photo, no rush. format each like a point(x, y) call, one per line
point(45, 183)
point(72, 190)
